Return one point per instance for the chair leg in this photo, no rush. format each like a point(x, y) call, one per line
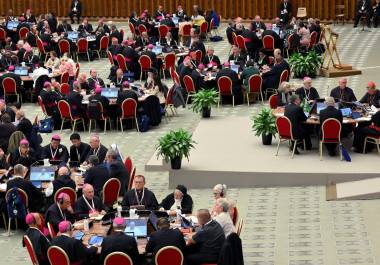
point(105, 125)
point(320, 151)
point(88, 56)
point(84, 125)
point(187, 99)
point(340, 153)
point(62, 124)
point(5, 221)
point(247, 99)
point(378, 147)
point(141, 75)
point(278, 146)
point(294, 148)
point(365, 145)
point(233, 101)
point(9, 226)
point(121, 125)
point(137, 125)
point(98, 54)
point(75, 123)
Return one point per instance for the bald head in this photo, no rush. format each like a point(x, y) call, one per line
point(204, 216)
point(63, 171)
point(88, 191)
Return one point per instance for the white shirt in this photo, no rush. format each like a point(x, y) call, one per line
point(224, 219)
point(176, 204)
point(39, 72)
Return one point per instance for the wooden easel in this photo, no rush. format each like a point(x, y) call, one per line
point(330, 39)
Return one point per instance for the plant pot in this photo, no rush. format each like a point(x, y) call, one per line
point(206, 112)
point(267, 139)
point(176, 162)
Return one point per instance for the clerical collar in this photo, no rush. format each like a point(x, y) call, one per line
point(139, 202)
point(95, 151)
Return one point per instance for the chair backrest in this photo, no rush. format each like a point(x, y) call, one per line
point(175, 76)
point(186, 30)
point(104, 42)
point(30, 248)
point(40, 46)
point(170, 59)
point(128, 164)
point(284, 128)
point(145, 62)
point(163, 30)
point(82, 45)
point(284, 76)
point(198, 55)
point(119, 258)
point(268, 42)
point(121, 62)
point(235, 215)
point(95, 110)
point(142, 28)
point(128, 108)
point(169, 255)
point(273, 101)
point(169, 97)
point(64, 46)
point(3, 34)
point(110, 58)
point(9, 86)
point(225, 85)
point(22, 194)
point(331, 129)
point(239, 226)
point(132, 28)
point(313, 39)
point(64, 109)
point(301, 12)
point(204, 27)
point(255, 83)
point(234, 39)
point(41, 103)
point(240, 41)
point(52, 232)
point(69, 191)
point(290, 41)
point(57, 256)
point(131, 178)
point(111, 190)
point(23, 32)
point(65, 78)
point(189, 84)
point(77, 69)
point(65, 89)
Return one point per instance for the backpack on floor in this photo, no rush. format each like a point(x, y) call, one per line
point(144, 123)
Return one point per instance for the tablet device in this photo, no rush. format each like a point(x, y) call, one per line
point(95, 240)
point(79, 235)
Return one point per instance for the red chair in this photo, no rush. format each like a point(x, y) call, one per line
point(291, 46)
point(132, 29)
point(225, 89)
point(118, 258)
point(69, 191)
point(313, 39)
point(268, 43)
point(65, 89)
point(57, 256)
point(23, 32)
point(110, 58)
point(99, 115)
point(52, 232)
point(240, 41)
point(128, 111)
point(169, 104)
point(163, 30)
point(331, 129)
point(199, 56)
point(169, 62)
point(25, 200)
point(142, 28)
point(64, 46)
point(285, 133)
point(204, 29)
point(131, 178)
point(374, 139)
point(121, 62)
point(175, 76)
point(41, 103)
point(30, 248)
point(235, 215)
point(65, 112)
point(10, 88)
point(3, 34)
point(122, 34)
point(169, 255)
point(283, 78)
point(41, 49)
point(273, 101)
point(77, 69)
point(186, 32)
point(145, 64)
point(189, 86)
point(255, 83)
point(65, 78)
point(103, 47)
point(111, 191)
point(82, 47)
point(128, 164)
point(213, 27)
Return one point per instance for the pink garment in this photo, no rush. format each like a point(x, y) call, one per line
point(67, 67)
point(305, 36)
point(27, 47)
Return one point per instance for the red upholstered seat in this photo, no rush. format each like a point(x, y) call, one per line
point(82, 47)
point(23, 32)
point(69, 191)
point(111, 191)
point(65, 78)
point(64, 46)
point(268, 43)
point(145, 64)
point(129, 111)
point(30, 248)
point(57, 256)
point(118, 258)
point(285, 133)
point(189, 86)
point(163, 30)
point(225, 89)
point(169, 255)
point(255, 83)
point(331, 129)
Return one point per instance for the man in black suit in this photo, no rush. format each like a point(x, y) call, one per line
point(49, 99)
point(64, 27)
point(17, 181)
point(55, 150)
point(165, 237)
point(85, 26)
point(115, 34)
point(96, 148)
point(24, 125)
point(140, 195)
point(258, 25)
point(278, 42)
point(236, 82)
point(94, 80)
point(272, 77)
point(88, 205)
point(117, 170)
point(115, 48)
point(131, 59)
point(60, 211)
point(143, 41)
point(211, 60)
point(363, 8)
point(327, 113)
point(297, 117)
point(75, 100)
point(63, 180)
point(307, 90)
point(197, 78)
point(125, 93)
point(342, 92)
point(119, 79)
point(100, 98)
point(181, 14)
point(252, 42)
point(75, 10)
point(152, 56)
point(285, 11)
point(160, 13)
point(97, 175)
point(118, 241)
point(79, 149)
point(372, 96)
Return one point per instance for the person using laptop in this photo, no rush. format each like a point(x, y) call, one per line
point(97, 96)
point(63, 180)
point(97, 174)
point(211, 60)
point(117, 169)
point(75, 100)
point(372, 96)
point(140, 197)
point(96, 148)
point(342, 92)
point(24, 155)
point(236, 82)
point(307, 91)
point(85, 27)
point(55, 151)
point(64, 27)
point(284, 93)
point(53, 62)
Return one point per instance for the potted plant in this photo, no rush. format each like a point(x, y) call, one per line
point(264, 124)
point(203, 101)
point(305, 65)
point(174, 145)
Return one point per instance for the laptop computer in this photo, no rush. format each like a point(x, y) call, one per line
point(72, 35)
point(235, 68)
point(110, 92)
point(175, 20)
point(21, 71)
point(346, 112)
point(139, 227)
point(11, 25)
point(157, 50)
point(41, 174)
point(153, 220)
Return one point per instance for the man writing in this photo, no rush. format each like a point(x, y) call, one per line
point(88, 205)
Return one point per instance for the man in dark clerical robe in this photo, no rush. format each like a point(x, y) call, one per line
point(140, 196)
point(88, 205)
point(96, 148)
point(60, 211)
point(236, 82)
point(342, 92)
point(307, 92)
point(79, 149)
point(372, 97)
point(55, 151)
point(117, 170)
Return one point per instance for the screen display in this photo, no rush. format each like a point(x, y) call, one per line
point(12, 25)
point(157, 49)
point(137, 227)
point(21, 71)
point(42, 173)
point(110, 92)
point(72, 35)
point(346, 112)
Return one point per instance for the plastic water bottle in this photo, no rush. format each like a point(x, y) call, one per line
point(178, 214)
point(119, 208)
point(86, 225)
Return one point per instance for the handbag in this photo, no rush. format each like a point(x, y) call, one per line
point(46, 125)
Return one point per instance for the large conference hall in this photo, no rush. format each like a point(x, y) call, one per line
point(172, 132)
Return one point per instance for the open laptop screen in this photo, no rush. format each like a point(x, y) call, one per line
point(137, 226)
point(42, 173)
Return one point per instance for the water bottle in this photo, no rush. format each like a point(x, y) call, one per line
point(178, 214)
point(119, 208)
point(86, 225)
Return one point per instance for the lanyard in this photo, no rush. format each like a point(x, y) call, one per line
point(78, 154)
point(139, 202)
point(307, 94)
point(62, 214)
point(96, 152)
point(53, 154)
point(210, 58)
point(341, 92)
point(91, 206)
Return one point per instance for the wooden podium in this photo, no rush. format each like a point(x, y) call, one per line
point(331, 63)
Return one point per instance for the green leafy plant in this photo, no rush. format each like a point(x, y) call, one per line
point(264, 123)
point(205, 98)
point(175, 144)
point(305, 65)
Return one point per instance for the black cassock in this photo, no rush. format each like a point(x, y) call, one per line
point(75, 250)
point(40, 244)
point(60, 153)
point(101, 152)
point(82, 209)
point(79, 154)
point(146, 198)
point(53, 216)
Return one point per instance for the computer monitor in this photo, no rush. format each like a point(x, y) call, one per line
point(235, 68)
point(11, 25)
point(138, 227)
point(110, 92)
point(346, 112)
point(157, 50)
point(42, 174)
point(72, 35)
point(21, 71)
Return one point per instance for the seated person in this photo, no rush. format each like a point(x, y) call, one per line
point(179, 199)
point(85, 26)
point(53, 62)
point(94, 80)
point(297, 117)
point(342, 92)
point(168, 41)
point(223, 216)
point(248, 71)
point(102, 99)
point(198, 79)
point(330, 112)
point(119, 79)
point(7, 128)
point(271, 78)
point(75, 100)
point(88, 205)
point(64, 27)
point(55, 150)
point(372, 97)
point(39, 241)
point(236, 56)
point(76, 251)
point(97, 174)
point(153, 84)
point(60, 211)
point(140, 196)
point(63, 180)
point(79, 149)
point(96, 148)
point(361, 132)
point(263, 59)
point(153, 57)
point(236, 82)
point(211, 60)
point(284, 93)
point(208, 240)
point(125, 93)
point(115, 34)
point(117, 170)
point(307, 91)
point(24, 155)
point(164, 237)
point(49, 99)
point(220, 191)
point(143, 41)
point(115, 48)
point(118, 241)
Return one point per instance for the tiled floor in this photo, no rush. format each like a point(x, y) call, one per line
point(282, 225)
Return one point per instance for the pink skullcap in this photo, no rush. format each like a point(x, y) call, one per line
point(119, 221)
point(24, 142)
point(160, 18)
point(64, 226)
point(150, 46)
point(306, 78)
point(226, 64)
point(47, 83)
point(201, 66)
point(143, 15)
point(21, 19)
point(76, 83)
point(56, 137)
point(371, 84)
point(29, 219)
point(63, 195)
point(168, 15)
point(98, 90)
point(11, 68)
point(125, 84)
